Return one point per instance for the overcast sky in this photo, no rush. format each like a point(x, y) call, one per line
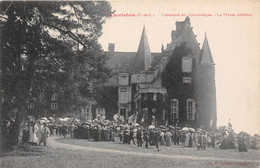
point(234, 43)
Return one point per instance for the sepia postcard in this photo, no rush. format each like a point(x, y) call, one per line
point(171, 83)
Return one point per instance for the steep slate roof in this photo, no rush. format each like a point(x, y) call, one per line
point(206, 57)
point(121, 62)
point(133, 62)
point(143, 58)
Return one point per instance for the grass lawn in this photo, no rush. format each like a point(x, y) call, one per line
point(55, 155)
point(173, 150)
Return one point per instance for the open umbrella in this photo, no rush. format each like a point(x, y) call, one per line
point(50, 118)
point(199, 130)
point(185, 129)
point(171, 127)
point(42, 121)
point(151, 127)
point(127, 126)
point(191, 129)
point(137, 125)
point(77, 120)
point(177, 128)
point(163, 127)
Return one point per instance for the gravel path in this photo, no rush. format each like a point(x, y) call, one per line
point(56, 144)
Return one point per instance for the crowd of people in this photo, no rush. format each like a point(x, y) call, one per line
point(36, 132)
point(105, 130)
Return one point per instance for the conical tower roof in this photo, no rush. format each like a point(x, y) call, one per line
point(143, 57)
point(206, 57)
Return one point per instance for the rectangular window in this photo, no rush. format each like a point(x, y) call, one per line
point(186, 64)
point(54, 106)
point(186, 79)
point(123, 95)
point(174, 109)
point(190, 109)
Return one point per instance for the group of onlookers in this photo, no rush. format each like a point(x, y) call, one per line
point(35, 133)
point(38, 132)
point(138, 135)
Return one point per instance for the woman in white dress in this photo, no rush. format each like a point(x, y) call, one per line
point(33, 129)
point(39, 132)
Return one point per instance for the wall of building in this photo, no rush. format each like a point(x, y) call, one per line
point(172, 80)
point(206, 95)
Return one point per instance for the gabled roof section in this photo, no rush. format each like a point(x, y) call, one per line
point(206, 57)
point(121, 61)
point(184, 34)
point(143, 57)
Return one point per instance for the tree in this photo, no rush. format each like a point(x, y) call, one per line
point(50, 46)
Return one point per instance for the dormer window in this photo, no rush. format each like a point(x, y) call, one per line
point(123, 79)
point(187, 64)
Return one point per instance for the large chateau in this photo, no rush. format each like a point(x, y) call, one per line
point(173, 87)
point(176, 86)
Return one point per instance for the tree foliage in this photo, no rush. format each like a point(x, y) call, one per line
point(172, 76)
point(50, 47)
